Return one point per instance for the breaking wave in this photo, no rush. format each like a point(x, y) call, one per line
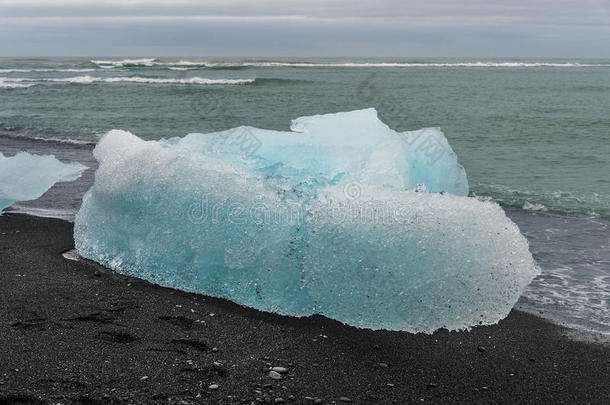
point(124, 62)
point(46, 70)
point(149, 62)
point(13, 84)
point(26, 82)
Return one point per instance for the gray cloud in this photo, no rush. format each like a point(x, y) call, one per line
point(316, 27)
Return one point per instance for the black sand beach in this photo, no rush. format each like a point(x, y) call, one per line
point(72, 332)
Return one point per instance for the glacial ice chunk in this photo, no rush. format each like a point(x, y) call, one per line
point(25, 177)
point(341, 216)
point(330, 148)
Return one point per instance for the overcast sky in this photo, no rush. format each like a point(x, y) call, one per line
point(399, 28)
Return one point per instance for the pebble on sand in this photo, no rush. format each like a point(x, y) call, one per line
point(275, 375)
point(214, 386)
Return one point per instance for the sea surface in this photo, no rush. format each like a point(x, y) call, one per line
point(533, 135)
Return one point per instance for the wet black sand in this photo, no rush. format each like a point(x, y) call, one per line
point(75, 333)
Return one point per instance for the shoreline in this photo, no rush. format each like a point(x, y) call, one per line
point(75, 332)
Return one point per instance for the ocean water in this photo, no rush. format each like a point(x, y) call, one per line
point(533, 135)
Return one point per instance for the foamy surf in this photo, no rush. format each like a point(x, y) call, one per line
point(151, 62)
point(48, 138)
point(19, 82)
point(125, 62)
point(46, 70)
point(10, 84)
point(405, 64)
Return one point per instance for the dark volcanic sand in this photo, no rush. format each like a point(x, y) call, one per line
point(75, 333)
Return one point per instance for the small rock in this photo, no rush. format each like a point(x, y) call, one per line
point(432, 385)
point(291, 397)
point(275, 375)
point(279, 401)
point(144, 378)
point(97, 273)
point(533, 360)
point(129, 284)
point(376, 347)
point(481, 349)
point(484, 388)
point(281, 370)
point(345, 399)
point(317, 401)
point(383, 365)
point(214, 349)
point(214, 386)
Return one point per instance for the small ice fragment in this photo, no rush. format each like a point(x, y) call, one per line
point(71, 254)
point(25, 177)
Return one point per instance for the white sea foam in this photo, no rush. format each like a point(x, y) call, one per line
point(45, 70)
point(46, 138)
point(125, 62)
point(403, 64)
point(6, 83)
point(19, 82)
point(533, 206)
point(489, 64)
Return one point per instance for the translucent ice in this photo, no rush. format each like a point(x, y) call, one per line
point(25, 177)
point(330, 148)
point(341, 217)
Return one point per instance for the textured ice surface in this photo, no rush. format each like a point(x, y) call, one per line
point(328, 149)
point(25, 177)
point(341, 217)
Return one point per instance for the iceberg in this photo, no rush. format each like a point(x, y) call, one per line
point(340, 216)
point(25, 177)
